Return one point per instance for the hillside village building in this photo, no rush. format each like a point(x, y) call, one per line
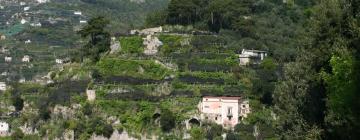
point(26, 58)
point(2, 86)
point(4, 129)
point(225, 111)
point(59, 61)
point(2, 37)
point(251, 56)
point(77, 13)
point(8, 59)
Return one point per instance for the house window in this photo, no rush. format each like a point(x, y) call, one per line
point(229, 113)
point(215, 118)
point(206, 118)
point(206, 106)
point(229, 110)
point(243, 106)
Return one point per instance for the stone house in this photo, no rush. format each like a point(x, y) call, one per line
point(225, 111)
point(251, 56)
point(4, 129)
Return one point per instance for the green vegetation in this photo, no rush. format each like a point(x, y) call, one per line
point(99, 39)
point(306, 88)
point(131, 45)
point(134, 68)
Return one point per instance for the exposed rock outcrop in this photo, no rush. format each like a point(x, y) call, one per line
point(152, 44)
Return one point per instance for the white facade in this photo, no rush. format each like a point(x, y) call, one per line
point(225, 111)
point(4, 129)
point(3, 86)
point(247, 56)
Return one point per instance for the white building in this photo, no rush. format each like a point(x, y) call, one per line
point(42, 1)
point(3, 86)
point(251, 56)
point(4, 129)
point(2, 37)
point(225, 111)
point(26, 58)
point(83, 21)
point(23, 21)
point(26, 8)
point(28, 41)
point(22, 80)
point(8, 59)
point(59, 61)
point(36, 24)
point(4, 73)
point(4, 50)
point(77, 13)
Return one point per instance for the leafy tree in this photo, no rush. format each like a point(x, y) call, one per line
point(18, 102)
point(322, 74)
point(87, 109)
point(99, 39)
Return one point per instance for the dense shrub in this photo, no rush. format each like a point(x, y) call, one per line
point(214, 131)
point(167, 120)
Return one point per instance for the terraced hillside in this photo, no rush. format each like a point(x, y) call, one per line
point(46, 30)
